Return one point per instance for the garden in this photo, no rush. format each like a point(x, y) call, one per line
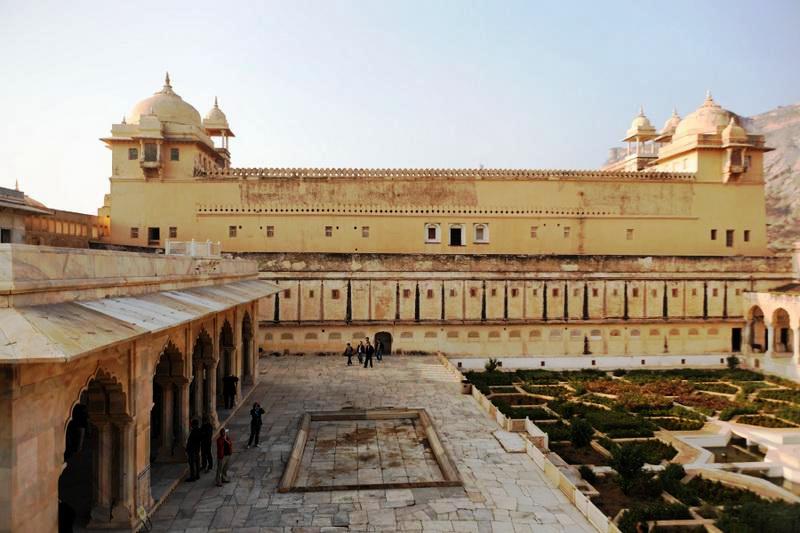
point(613, 419)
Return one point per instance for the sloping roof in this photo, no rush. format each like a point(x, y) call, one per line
point(64, 331)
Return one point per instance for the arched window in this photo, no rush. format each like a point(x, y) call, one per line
point(481, 233)
point(433, 233)
point(635, 333)
point(615, 333)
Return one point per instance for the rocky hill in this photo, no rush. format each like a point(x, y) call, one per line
point(781, 127)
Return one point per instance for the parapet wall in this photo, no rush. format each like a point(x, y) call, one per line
point(31, 275)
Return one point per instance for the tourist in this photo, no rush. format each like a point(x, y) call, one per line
point(349, 353)
point(255, 424)
point(378, 350)
point(224, 452)
point(360, 352)
point(193, 445)
point(369, 351)
point(229, 390)
point(207, 433)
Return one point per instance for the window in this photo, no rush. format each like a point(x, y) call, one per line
point(555, 291)
point(174, 154)
point(481, 233)
point(365, 231)
point(287, 293)
point(729, 238)
point(173, 232)
point(494, 291)
point(747, 235)
point(694, 292)
point(231, 231)
point(595, 293)
point(536, 292)
point(713, 235)
point(534, 232)
point(615, 333)
point(456, 235)
point(134, 233)
point(5, 235)
point(335, 294)
point(430, 294)
point(714, 292)
point(270, 231)
point(674, 293)
point(575, 292)
point(473, 292)
point(567, 230)
point(329, 231)
point(635, 292)
point(432, 234)
point(150, 152)
point(406, 293)
point(654, 333)
point(311, 293)
point(514, 293)
point(635, 333)
point(615, 292)
point(654, 293)
point(738, 292)
point(133, 154)
point(452, 293)
point(629, 234)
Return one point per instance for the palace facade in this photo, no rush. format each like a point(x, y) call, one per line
point(649, 256)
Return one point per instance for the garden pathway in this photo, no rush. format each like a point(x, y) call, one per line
point(502, 492)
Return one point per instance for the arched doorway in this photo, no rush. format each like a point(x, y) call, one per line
point(247, 349)
point(782, 343)
point(168, 418)
point(386, 340)
point(92, 486)
point(226, 367)
point(202, 390)
point(758, 331)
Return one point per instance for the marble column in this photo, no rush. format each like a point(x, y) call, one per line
point(101, 505)
point(124, 504)
point(198, 371)
point(165, 452)
point(210, 394)
point(182, 416)
point(770, 347)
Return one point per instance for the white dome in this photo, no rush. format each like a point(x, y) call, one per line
point(167, 106)
point(215, 118)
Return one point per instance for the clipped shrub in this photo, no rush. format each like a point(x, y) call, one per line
point(644, 512)
point(587, 473)
point(627, 459)
point(730, 412)
point(580, 433)
point(761, 516)
point(619, 372)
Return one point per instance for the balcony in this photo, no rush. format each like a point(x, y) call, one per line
point(193, 248)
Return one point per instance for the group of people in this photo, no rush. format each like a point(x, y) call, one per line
point(364, 351)
point(198, 446)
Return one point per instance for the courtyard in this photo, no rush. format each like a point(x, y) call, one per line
point(501, 492)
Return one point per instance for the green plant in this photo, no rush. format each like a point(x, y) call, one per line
point(628, 460)
point(716, 387)
point(556, 431)
point(761, 516)
point(580, 432)
point(619, 372)
point(678, 424)
point(587, 473)
point(733, 362)
point(730, 412)
point(764, 421)
point(644, 512)
point(492, 364)
point(786, 395)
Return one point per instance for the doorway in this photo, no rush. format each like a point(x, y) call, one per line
point(386, 340)
point(736, 340)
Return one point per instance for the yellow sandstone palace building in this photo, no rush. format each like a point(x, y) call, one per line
point(645, 261)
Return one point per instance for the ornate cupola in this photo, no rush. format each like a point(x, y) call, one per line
point(216, 124)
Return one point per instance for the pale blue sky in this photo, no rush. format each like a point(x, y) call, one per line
point(377, 84)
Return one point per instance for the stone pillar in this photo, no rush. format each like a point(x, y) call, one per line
point(182, 415)
point(165, 449)
point(210, 394)
point(770, 348)
point(747, 337)
point(796, 345)
point(101, 506)
point(122, 511)
point(198, 371)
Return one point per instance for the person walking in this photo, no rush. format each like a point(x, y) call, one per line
point(378, 350)
point(255, 424)
point(207, 434)
point(349, 353)
point(229, 390)
point(369, 351)
point(224, 452)
point(360, 352)
point(193, 445)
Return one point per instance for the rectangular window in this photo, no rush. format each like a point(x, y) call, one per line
point(430, 294)
point(534, 232)
point(231, 231)
point(473, 292)
point(575, 292)
point(566, 231)
point(615, 292)
point(134, 233)
point(406, 293)
point(747, 235)
point(311, 293)
point(335, 294)
point(635, 292)
point(173, 232)
point(365, 231)
point(133, 154)
point(5, 235)
point(329, 231)
point(481, 233)
point(654, 293)
point(494, 291)
point(287, 293)
point(174, 154)
point(595, 293)
point(629, 234)
point(456, 236)
point(729, 238)
point(452, 292)
point(514, 293)
point(555, 292)
point(694, 292)
point(536, 292)
point(270, 231)
point(714, 292)
point(150, 152)
point(713, 235)
point(674, 293)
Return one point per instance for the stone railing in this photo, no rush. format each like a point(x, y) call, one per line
point(536, 447)
point(193, 248)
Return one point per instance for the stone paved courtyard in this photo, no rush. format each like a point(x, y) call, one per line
point(502, 492)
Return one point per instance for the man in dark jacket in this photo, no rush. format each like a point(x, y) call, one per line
point(207, 432)
point(193, 451)
point(360, 352)
point(255, 424)
point(349, 353)
point(229, 390)
point(369, 351)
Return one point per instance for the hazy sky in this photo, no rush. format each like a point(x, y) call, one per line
point(377, 84)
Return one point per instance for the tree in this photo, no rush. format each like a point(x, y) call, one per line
point(580, 432)
point(491, 365)
point(627, 460)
